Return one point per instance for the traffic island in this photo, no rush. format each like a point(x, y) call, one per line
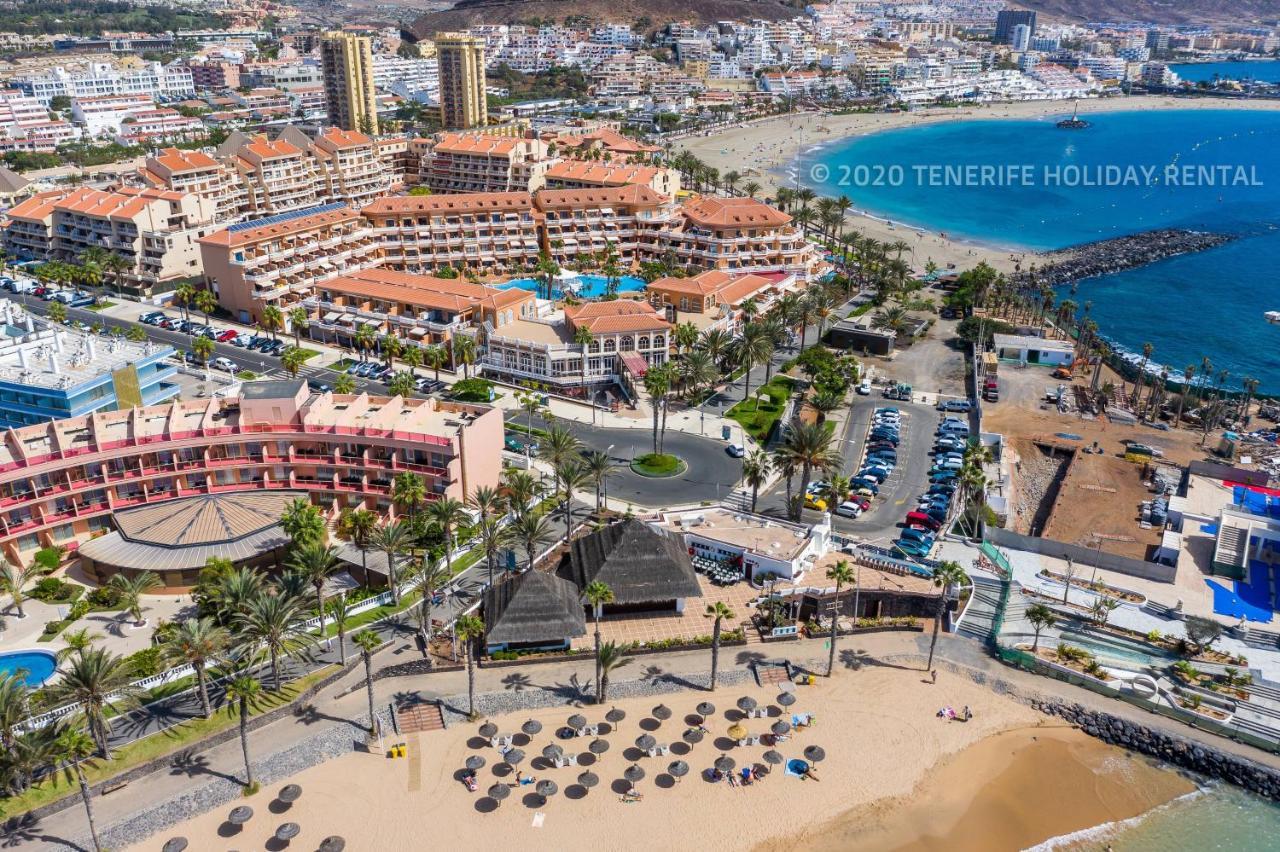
point(659, 465)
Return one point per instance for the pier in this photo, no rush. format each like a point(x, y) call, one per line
point(1117, 254)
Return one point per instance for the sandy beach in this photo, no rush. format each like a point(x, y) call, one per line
point(762, 152)
point(879, 730)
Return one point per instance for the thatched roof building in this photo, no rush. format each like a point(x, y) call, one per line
point(533, 609)
point(640, 564)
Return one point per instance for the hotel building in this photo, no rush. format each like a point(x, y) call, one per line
point(584, 222)
point(62, 481)
point(739, 235)
point(715, 298)
point(155, 230)
point(347, 60)
point(462, 81)
point(574, 174)
point(479, 162)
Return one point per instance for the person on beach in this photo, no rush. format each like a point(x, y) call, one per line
point(470, 780)
point(632, 795)
point(810, 773)
point(524, 780)
point(933, 676)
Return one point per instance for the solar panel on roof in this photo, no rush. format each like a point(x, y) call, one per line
point(286, 217)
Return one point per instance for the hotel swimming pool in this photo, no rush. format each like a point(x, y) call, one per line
point(588, 286)
point(38, 665)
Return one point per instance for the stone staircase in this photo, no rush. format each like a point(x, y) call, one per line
point(978, 620)
point(1256, 637)
point(419, 716)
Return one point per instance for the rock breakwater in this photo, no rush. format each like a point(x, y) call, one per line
point(1116, 255)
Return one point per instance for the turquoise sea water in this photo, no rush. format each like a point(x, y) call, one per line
point(1048, 188)
point(1262, 70)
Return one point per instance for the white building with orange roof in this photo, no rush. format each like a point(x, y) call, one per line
point(419, 308)
point(158, 125)
point(573, 174)
point(717, 299)
point(154, 230)
point(740, 235)
point(348, 165)
point(277, 176)
point(604, 139)
point(482, 162)
point(580, 223)
point(580, 349)
point(192, 171)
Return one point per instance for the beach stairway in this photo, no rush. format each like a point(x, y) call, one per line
point(1257, 638)
point(1232, 543)
point(978, 620)
point(418, 716)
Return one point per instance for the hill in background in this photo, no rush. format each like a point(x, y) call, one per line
point(470, 12)
point(1157, 11)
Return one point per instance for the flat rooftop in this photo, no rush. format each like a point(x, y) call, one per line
point(753, 533)
point(553, 333)
point(35, 352)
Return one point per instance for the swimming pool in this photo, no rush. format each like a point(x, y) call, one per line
point(590, 286)
point(38, 665)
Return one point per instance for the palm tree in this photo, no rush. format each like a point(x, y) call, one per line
point(447, 513)
point(202, 348)
point(464, 353)
point(754, 347)
point(751, 188)
point(206, 303)
point(368, 641)
point(755, 471)
point(75, 641)
point(15, 579)
point(245, 692)
point(392, 539)
point(532, 530)
point(946, 575)
point(1040, 617)
point(273, 320)
point(434, 357)
point(15, 702)
point(336, 610)
point(430, 576)
point(315, 561)
point(826, 401)
point(184, 294)
point(117, 266)
point(292, 359)
point(96, 680)
point(657, 384)
point(610, 658)
point(842, 573)
point(599, 467)
point(573, 476)
point(491, 536)
point(365, 338)
point(1147, 349)
point(197, 642)
point(233, 592)
point(276, 623)
point(302, 521)
point(344, 384)
point(357, 526)
point(597, 594)
point(718, 611)
point(558, 447)
point(891, 319)
point(408, 489)
point(298, 319)
point(74, 747)
point(810, 447)
point(685, 337)
point(470, 629)
point(131, 590)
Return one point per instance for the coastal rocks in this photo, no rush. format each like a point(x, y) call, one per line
point(1115, 255)
point(1256, 778)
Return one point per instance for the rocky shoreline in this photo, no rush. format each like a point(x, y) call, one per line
point(1103, 257)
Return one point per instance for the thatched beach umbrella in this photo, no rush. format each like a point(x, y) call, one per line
point(814, 754)
point(692, 736)
point(678, 768)
point(662, 712)
point(736, 731)
point(633, 773)
point(780, 727)
point(644, 742)
point(577, 721)
point(588, 779)
point(706, 708)
point(546, 789)
point(498, 792)
point(746, 704)
point(772, 757)
point(614, 716)
point(786, 699)
point(174, 844)
point(598, 746)
point(513, 757)
point(553, 752)
point(531, 727)
point(333, 843)
point(725, 763)
point(488, 729)
point(475, 762)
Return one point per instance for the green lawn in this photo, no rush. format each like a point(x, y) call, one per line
point(758, 414)
point(180, 736)
point(341, 365)
point(655, 464)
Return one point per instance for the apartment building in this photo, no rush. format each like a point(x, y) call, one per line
point(281, 259)
point(462, 81)
point(214, 74)
point(739, 235)
point(196, 172)
point(606, 140)
point(62, 482)
point(104, 115)
point(574, 174)
point(349, 167)
point(548, 349)
point(275, 176)
point(155, 230)
point(718, 299)
point(158, 125)
point(580, 223)
point(154, 80)
point(479, 162)
point(347, 63)
point(485, 233)
point(419, 308)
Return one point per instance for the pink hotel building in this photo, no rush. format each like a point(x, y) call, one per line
point(61, 482)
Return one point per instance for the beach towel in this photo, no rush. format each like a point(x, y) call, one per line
point(797, 768)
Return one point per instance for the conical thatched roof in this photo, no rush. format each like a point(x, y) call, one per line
point(534, 607)
point(640, 564)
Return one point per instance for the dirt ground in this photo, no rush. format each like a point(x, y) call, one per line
point(1099, 502)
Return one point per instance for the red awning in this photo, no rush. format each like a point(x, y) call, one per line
point(634, 364)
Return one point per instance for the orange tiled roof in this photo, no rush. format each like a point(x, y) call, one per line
point(621, 315)
point(702, 284)
point(635, 194)
point(716, 212)
point(280, 229)
point(611, 139)
point(605, 174)
point(469, 202)
point(476, 143)
point(263, 148)
point(339, 138)
point(38, 206)
point(427, 291)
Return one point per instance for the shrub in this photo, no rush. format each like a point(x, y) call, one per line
point(504, 655)
point(52, 628)
point(145, 663)
point(105, 597)
point(49, 589)
point(472, 390)
point(1153, 636)
point(79, 610)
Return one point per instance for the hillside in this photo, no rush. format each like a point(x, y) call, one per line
point(469, 12)
point(1157, 11)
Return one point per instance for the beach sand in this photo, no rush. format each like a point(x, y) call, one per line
point(763, 150)
point(877, 726)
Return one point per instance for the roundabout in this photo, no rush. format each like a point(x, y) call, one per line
point(659, 466)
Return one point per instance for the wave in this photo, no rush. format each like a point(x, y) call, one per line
point(1113, 828)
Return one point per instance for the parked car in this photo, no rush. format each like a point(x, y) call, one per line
point(81, 301)
point(955, 405)
point(735, 450)
point(812, 501)
point(276, 348)
point(865, 487)
point(151, 317)
point(319, 386)
point(912, 548)
point(227, 335)
point(223, 364)
point(922, 519)
point(849, 509)
point(864, 389)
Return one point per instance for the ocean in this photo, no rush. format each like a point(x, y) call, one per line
point(1027, 184)
point(1263, 70)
